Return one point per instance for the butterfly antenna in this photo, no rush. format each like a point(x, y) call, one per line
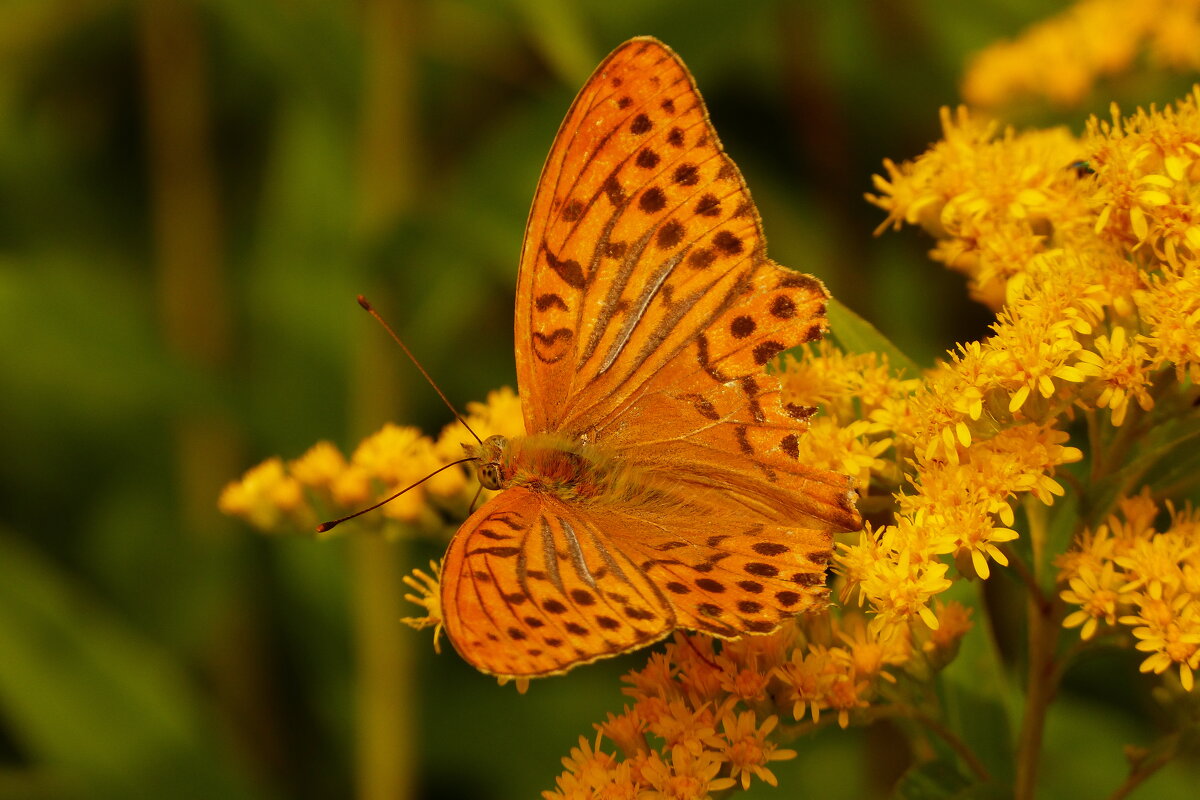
point(362, 301)
point(326, 526)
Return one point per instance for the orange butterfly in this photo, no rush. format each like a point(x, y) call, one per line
point(659, 486)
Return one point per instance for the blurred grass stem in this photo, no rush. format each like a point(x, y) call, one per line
point(385, 697)
point(196, 322)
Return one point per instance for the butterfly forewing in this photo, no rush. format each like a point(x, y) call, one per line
point(536, 588)
point(713, 416)
point(641, 232)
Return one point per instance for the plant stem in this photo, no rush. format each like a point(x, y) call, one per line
point(1039, 689)
point(1095, 445)
point(384, 671)
point(1129, 434)
point(1040, 685)
point(945, 734)
point(1026, 575)
point(1143, 768)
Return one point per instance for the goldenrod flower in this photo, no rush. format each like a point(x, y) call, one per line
point(867, 654)
point(747, 683)
point(1170, 632)
point(399, 456)
point(680, 725)
point(1170, 307)
point(338, 485)
point(808, 676)
point(1126, 572)
point(900, 587)
point(686, 776)
point(323, 483)
point(656, 679)
point(320, 467)
point(1061, 58)
point(748, 750)
point(1097, 594)
point(846, 386)
point(848, 450)
point(940, 644)
point(500, 414)
point(266, 496)
point(846, 694)
point(990, 195)
point(592, 773)
point(627, 731)
point(428, 590)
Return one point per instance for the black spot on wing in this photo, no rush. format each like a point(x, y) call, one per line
point(567, 269)
point(652, 200)
point(572, 211)
point(708, 206)
point(647, 159)
point(550, 300)
point(742, 326)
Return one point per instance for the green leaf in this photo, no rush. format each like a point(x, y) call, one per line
point(1177, 465)
point(1167, 455)
point(977, 698)
point(855, 335)
point(940, 780)
point(92, 702)
point(1062, 522)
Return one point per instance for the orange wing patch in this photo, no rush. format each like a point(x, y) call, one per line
point(537, 588)
point(641, 223)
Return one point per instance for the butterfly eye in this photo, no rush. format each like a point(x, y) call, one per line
point(489, 476)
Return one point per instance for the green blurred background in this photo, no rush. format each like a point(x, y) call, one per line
point(191, 195)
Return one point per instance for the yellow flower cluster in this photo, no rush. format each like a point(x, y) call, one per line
point(1094, 272)
point(1128, 574)
point(323, 483)
point(1092, 268)
point(993, 199)
point(847, 387)
point(705, 720)
point(1061, 58)
point(1088, 248)
point(1095, 283)
point(955, 488)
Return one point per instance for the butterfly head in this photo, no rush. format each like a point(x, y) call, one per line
point(488, 457)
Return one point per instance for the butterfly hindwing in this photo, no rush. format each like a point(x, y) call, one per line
point(536, 587)
point(729, 577)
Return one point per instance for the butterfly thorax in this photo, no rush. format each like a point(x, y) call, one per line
point(564, 467)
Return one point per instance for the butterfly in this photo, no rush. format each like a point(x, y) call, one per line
point(659, 485)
